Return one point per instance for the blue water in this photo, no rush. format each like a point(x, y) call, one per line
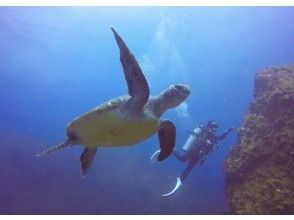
point(57, 63)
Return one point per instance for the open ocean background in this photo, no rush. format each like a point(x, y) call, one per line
point(57, 63)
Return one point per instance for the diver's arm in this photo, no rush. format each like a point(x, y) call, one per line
point(225, 134)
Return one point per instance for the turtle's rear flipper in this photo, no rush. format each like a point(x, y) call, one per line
point(86, 159)
point(55, 148)
point(167, 139)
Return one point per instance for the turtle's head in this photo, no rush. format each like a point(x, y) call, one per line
point(176, 94)
point(172, 97)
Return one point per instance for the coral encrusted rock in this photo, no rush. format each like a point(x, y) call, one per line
point(259, 170)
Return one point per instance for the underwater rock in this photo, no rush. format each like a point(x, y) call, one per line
point(259, 170)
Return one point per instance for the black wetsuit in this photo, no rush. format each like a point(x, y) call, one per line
point(202, 146)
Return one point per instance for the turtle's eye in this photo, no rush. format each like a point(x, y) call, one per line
point(178, 87)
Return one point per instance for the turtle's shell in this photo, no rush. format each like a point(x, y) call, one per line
point(107, 126)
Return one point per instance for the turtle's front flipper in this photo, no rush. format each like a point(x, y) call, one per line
point(167, 139)
point(55, 148)
point(86, 159)
point(137, 84)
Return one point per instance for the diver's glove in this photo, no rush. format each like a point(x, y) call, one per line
point(230, 130)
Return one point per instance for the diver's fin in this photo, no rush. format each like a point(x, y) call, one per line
point(178, 184)
point(55, 148)
point(154, 156)
point(86, 159)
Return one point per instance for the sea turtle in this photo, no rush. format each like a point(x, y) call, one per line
point(125, 120)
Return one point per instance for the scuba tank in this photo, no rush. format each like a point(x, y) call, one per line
point(192, 139)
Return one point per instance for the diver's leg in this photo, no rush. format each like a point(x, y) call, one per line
point(181, 157)
point(191, 165)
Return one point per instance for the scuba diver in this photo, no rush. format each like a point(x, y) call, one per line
point(197, 147)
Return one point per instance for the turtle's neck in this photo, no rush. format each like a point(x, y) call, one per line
point(161, 103)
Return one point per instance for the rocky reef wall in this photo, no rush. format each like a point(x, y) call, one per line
point(259, 170)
